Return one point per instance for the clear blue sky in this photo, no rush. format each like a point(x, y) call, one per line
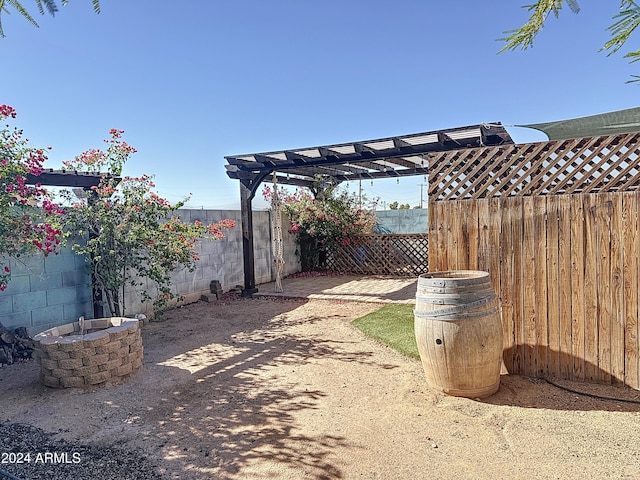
point(193, 81)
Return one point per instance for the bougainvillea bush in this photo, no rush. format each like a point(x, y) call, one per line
point(29, 219)
point(131, 232)
point(330, 218)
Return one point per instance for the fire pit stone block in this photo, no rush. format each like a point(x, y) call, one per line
point(109, 350)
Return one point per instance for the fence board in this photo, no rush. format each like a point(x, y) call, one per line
point(564, 284)
point(518, 328)
point(433, 229)
point(506, 288)
point(528, 286)
point(603, 216)
point(451, 232)
point(553, 282)
point(577, 287)
point(617, 300)
point(473, 236)
point(631, 251)
point(494, 243)
point(590, 290)
point(462, 247)
point(483, 236)
point(442, 254)
point(540, 242)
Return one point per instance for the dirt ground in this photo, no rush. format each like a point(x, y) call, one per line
point(289, 389)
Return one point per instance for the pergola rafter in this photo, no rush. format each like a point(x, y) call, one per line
point(391, 157)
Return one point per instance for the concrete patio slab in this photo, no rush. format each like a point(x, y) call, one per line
point(355, 288)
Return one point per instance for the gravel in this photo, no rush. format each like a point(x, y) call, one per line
point(29, 453)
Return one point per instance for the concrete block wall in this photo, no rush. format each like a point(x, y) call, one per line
point(414, 220)
point(46, 291)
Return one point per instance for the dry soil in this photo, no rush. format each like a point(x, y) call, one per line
point(289, 389)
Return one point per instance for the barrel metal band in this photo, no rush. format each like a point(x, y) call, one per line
point(455, 299)
point(453, 318)
point(463, 307)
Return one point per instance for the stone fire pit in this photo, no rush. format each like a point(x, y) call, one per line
point(106, 350)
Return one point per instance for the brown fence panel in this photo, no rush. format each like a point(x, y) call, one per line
point(566, 270)
point(388, 254)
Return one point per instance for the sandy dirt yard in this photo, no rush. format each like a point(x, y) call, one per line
point(289, 389)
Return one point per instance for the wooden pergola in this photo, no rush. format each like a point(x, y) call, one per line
point(391, 157)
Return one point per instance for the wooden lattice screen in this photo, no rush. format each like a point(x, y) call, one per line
point(389, 254)
point(557, 226)
point(584, 165)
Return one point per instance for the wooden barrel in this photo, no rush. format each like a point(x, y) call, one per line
point(459, 332)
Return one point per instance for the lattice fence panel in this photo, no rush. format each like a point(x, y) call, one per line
point(392, 254)
point(583, 165)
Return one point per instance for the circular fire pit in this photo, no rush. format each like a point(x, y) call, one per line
point(89, 352)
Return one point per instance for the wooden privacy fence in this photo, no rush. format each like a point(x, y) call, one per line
point(556, 225)
point(388, 254)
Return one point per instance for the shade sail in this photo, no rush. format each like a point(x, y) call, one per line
point(612, 123)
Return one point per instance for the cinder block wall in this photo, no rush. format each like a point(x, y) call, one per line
point(47, 292)
point(414, 220)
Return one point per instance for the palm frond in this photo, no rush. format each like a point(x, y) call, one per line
point(621, 30)
point(524, 36)
point(21, 10)
point(50, 5)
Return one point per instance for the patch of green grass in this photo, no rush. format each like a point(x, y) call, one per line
point(393, 326)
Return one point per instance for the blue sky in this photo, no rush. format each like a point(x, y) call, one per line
point(191, 82)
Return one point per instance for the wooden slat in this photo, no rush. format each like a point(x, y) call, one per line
point(506, 285)
point(540, 288)
point(617, 296)
point(631, 249)
point(472, 228)
point(462, 248)
point(564, 284)
point(441, 245)
point(603, 219)
point(528, 287)
point(452, 233)
point(518, 328)
point(433, 207)
point(577, 287)
point(590, 289)
point(484, 261)
point(553, 279)
point(494, 243)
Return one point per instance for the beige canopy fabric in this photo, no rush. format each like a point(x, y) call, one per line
point(612, 123)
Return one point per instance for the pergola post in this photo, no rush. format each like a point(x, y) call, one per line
point(247, 241)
